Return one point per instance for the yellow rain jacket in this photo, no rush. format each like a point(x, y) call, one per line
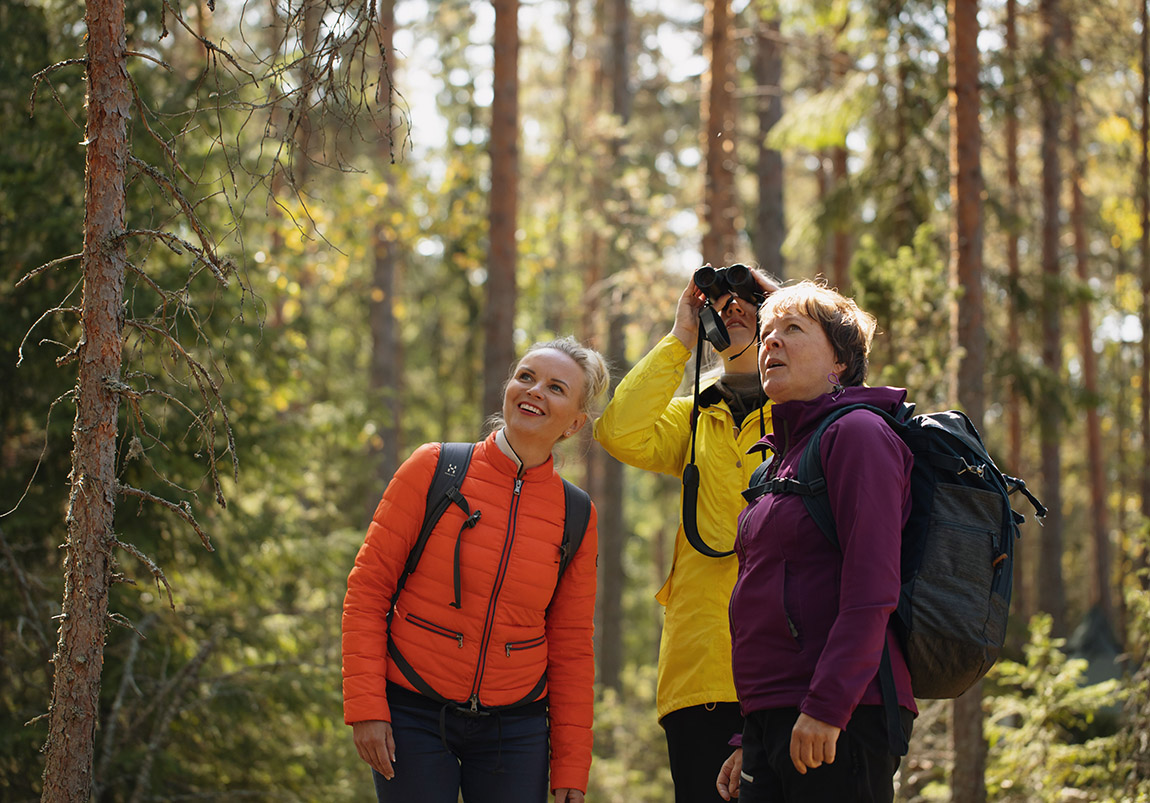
point(645, 425)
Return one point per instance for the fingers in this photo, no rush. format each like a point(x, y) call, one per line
point(568, 796)
point(768, 284)
point(730, 775)
point(812, 743)
point(375, 744)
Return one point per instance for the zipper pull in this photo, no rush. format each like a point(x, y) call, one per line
point(475, 703)
point(460, 638)
point(518, 485)
point(509, 649)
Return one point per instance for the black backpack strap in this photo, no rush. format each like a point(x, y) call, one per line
point(450, 469)
point(812, 478)
point(577, 515)
point(810, 481)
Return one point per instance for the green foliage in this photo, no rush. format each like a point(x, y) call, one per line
point(1042, 728)
point(630, 751)
point(907, 293)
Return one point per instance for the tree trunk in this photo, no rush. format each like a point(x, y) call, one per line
point(612, 527)
point(770, 223)
point(1144, 195)
point(1051, 591)
point(968, 335)
point(1102, 561)
point(499, 318)
point(840, 239)
point(87, 560)
point(386, 374)
point(1021, 597)
point(719, 208)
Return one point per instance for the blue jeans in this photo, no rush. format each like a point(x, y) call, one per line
point(498, 758)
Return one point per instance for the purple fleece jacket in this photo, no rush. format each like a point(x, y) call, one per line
point(808, 621)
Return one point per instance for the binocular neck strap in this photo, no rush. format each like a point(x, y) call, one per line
point(691, 474)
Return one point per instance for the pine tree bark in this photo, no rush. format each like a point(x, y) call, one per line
point(720, 211)
point(840, 237)
point(1101, 553)
point(1021, 597)
point(770, 222)
point(499, 316)
point(1050, 584)
point(79, 655)
point(386, 374)
point(612, 527)
point(968, 334)
point(1144, 195)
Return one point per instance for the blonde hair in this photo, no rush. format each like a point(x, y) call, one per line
point(596, 375)
point(849, 329)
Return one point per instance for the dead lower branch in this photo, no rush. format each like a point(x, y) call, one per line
point(217, 266)
point(177, 245)
point(182, 509)
point(208, 391)
point(24, 586)
point(40, 76)
point(47, 266)
point(43, 451)
point(157, 572)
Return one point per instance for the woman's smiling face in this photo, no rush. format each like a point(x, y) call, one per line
point(795, 358)
point(543, 401)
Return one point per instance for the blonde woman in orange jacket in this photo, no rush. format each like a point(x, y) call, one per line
point(508, 656)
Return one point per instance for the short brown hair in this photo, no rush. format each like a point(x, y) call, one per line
point(849, 329)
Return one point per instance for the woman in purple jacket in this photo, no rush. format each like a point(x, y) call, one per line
point(809, 620)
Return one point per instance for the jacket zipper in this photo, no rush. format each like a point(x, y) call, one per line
point(434, 628)
point(514, 646)
point(500, 575)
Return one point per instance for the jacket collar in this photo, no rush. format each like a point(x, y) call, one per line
point(501, 455)
point(794, 420)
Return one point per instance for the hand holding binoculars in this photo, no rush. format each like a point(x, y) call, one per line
point(735, 280)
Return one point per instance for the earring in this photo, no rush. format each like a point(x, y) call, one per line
point(836, 386)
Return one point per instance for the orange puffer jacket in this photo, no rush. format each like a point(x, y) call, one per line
point(512, 624)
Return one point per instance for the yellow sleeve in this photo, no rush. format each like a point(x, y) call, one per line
point(645, 425)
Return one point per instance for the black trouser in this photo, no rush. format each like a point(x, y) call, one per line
point(697, 745)
point(862, 772)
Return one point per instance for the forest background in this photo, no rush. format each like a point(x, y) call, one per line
point(330, 257)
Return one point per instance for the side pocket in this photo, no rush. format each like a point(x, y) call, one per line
point(516, 646)
point(431, 627)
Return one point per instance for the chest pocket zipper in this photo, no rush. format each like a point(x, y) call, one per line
point(434, 628)
point(515, 646)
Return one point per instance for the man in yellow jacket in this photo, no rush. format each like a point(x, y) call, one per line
point(645, 425)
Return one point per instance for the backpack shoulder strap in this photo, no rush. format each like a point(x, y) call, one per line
point(450, 469)
point(810, 468)
point(576, 517)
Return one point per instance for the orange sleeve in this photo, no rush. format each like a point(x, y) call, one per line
point(378, 566)
point(571, 665)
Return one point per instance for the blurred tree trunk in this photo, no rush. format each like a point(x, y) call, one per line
point(499, 348)
point(968, 334)
point(385, 380)
point(609, 473)
point(1021, 597)
point(770, 223)
point(840, 238)
point(1050, 586)
point(79, 658)
point(720, 211)
point(1144, 196)
point(1102, 561)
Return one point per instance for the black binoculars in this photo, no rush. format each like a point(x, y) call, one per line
point(735, 280)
